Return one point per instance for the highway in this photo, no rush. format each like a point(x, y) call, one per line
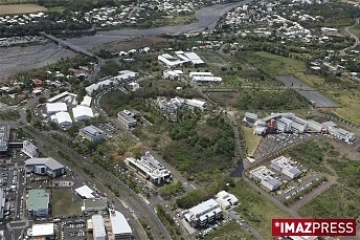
point(133, 201)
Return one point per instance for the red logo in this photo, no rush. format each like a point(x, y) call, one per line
point(285, 227)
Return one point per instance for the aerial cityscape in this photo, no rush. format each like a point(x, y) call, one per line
point(177, 120)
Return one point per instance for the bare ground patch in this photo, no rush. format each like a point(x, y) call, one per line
point(21, 8)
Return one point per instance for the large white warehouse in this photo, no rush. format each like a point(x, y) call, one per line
point(52, 108)
point(98, 227)
point(81, 113)
point(63, 119)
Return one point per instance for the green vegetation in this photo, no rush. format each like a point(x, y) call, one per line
point(336, 202)
point(313, 154)
point(270, 100)
point(251, 139)
point(9, 115)
point(347, 172)
point(62, 203)
point(171, 189)
point(230, 231)
point(201, 146)
point(169, 222)
point(192, 198)
point(28, 115)
point(256, 209)
point(334, 14)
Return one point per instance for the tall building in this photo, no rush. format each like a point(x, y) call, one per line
point(4, 139)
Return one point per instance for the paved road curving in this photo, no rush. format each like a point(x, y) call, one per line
point(353, 36)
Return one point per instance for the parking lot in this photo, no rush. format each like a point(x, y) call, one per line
point(109, 129)
point(276, 142)
point(74, 231)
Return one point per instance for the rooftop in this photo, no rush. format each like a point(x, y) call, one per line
point(98, 226)
point(89, 203)
point(56, 107)
point(48, 162)
point(4, 137)
point(128, 117)
point(46, 229)
point(119, 223)
point(80, 111)
point(92, 130)
point(204, 208)
point(85, 192)
point(38, 199)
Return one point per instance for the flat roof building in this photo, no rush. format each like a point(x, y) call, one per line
point(81, 113)
point(226, 200)
point(2, 204)
point(92, 134)
point(45, 230)
point(342, 134)
point(52, 108)
point(265, 177)
point(86, 102)
point(44, 166)
point(127, 119)
point(285, 166)
point(150, 168)
point(62, 119)
point(200, 74)
point(29, 149)
point(194, 103)
point(93, 205)
point(119, 225)
point(38, 203)
point(85, 192)
point(98, 223)
point(4, 139)
point(170, 61)
point(203, 213)
point(58, 97)
point(204, 80)
point(190, 56)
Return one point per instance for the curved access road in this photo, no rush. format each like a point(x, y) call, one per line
point(207, 18)
point(353, 36)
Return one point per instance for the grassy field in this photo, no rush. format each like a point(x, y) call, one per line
point(176, 20)
point(336, 202)
point(62, 205)
point(256, 209)
point(349, 102)
point(230, 231)
point(20, 8)
point(251, 140)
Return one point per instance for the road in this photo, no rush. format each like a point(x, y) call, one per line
point(353, 36)
point(133, 201)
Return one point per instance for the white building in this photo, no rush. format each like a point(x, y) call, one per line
point(99, 232)
point(190, 56)
point(150, 168)
point(194, 103)
point(342, 134)
point(285, 166)
point(63, 119)
point(265, 177)
point(128, 118)
point(52, 108)
point(200, 74)
point(170, 61)
point(134, 86)
point(81, 113)
point(58, 97)
point(86, 102)
point(226, 200)
point(121, 229)
point(203, 213)
point(29, 149)
point(205, 80)
point(38, 231)
point(37, 203)
point(99, 86)
point(172, 75)
point(92, 134)
point(2, 204)
point(126, 76)
point(85, 192)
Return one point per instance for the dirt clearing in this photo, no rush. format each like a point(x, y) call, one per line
point(20, 8)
